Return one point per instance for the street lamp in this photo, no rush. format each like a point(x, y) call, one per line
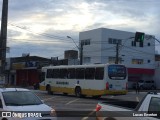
point(73, 41)
point(80, 48)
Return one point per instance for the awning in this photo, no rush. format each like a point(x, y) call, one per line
point(141, 71)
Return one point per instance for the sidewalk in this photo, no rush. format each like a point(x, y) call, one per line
point(144, 90)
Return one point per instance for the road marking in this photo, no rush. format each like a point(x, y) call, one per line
point(71, 101)
point(137, 99)
point(112, 96)
point(85, 118)
point(49, 98)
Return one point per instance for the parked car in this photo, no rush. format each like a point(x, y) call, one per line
point(145, 84)
point(14, 101)
point(147, 109)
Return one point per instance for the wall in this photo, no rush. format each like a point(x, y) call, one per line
point(27, 77)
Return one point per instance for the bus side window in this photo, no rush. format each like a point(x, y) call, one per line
point(99, 74)
point(63, 73)
point(49, 73)
point(42, 76)
point(90, 73)
point(56, 73)
point(80, 73)
point(71, 73)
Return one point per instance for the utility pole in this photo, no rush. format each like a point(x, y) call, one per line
point(3, 37)
point(117, 53)
point(81, 53)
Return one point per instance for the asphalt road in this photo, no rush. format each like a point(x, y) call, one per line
point(80, 108)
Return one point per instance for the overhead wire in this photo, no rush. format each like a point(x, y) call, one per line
point(42, 34)
point(64, 39)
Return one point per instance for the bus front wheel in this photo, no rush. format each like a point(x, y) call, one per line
point(78, 92)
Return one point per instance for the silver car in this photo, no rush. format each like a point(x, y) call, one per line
point(22, 104)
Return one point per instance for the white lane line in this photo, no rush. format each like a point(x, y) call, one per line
point(112, 96)
point(85, 118)
point(49, 98)
point(71, 101)
point(137, 99)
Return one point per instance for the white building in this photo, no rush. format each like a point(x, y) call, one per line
point(99, 46)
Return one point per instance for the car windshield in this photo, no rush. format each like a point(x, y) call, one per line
point(20, 98)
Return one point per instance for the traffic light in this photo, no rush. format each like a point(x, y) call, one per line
point(139, 37)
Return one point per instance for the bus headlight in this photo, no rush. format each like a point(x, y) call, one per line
point(53, 113)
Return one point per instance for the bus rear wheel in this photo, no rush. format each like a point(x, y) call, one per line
point(78, 92)
point(65, 93)
point(96, 96)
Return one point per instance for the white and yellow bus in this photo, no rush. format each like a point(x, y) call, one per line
point(91, 80)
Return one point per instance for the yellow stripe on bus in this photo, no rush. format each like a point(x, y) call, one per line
point(43, 88)
point(86, 91)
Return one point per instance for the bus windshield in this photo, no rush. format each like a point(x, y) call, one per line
point(117, 72)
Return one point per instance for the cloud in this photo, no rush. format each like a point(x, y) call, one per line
point(53, 20)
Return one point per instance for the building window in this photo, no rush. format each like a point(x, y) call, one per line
point(110, 40)
point(86, 60)
point(114, 41)
point(85, 42)
point(133, 43)
point(113, 59)
point(149, 44)
point(140, 44)
point(137, 61)
point(149, 61)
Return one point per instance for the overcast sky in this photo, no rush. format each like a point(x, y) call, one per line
point(40, 27)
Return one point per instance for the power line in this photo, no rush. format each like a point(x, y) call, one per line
point(41, 34)
point(37, 41)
